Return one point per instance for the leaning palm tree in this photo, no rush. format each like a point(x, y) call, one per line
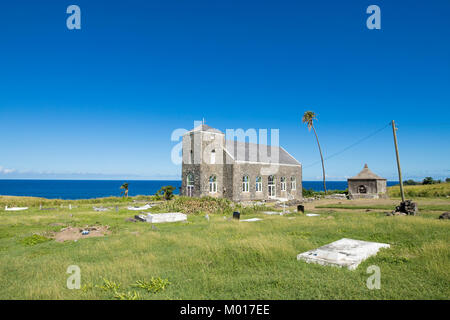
point(125, 191)
point(308, 118)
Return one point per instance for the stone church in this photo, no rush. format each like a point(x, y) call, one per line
point(240, 171)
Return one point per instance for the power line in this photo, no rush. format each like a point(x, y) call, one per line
point(350, 146)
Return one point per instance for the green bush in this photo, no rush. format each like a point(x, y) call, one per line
point(166, 192)
point(127, 295)
point(411, 182)
point(430, 180)
point(109, 285)
point(154, 285)
point(190, 205)
point(309, 192)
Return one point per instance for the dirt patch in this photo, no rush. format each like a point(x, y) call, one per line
point(57, 224)
point(75, 233)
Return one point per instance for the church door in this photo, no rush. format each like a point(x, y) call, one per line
point(190, 191)
point(190, 185)
point(271, 186)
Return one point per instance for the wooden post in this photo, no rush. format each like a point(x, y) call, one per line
point(394, 129)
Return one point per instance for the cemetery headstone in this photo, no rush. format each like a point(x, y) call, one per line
point(445, 215)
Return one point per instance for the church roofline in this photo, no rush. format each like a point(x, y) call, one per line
point(366, 174)
point(206, 128)
point(287, 158)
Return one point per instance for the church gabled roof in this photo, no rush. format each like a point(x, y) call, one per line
point(252, 152)
point(366, 174)
point(260, 153)
point(205, 127)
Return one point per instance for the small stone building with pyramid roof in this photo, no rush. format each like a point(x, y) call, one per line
point(366, 184)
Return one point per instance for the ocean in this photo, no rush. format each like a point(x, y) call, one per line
point(88, 189)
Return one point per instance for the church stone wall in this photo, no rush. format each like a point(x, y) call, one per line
point(196, 154)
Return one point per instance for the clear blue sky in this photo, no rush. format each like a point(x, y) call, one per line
point(102, 102)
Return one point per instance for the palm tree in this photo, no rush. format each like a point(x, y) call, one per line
point(308, 118)
point(125, 187)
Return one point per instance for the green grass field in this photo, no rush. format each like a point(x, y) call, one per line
point(423, 207)
point(427, 191)
point(218, 259)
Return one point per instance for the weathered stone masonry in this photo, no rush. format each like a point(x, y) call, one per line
point(215, 167)
point(366, 184)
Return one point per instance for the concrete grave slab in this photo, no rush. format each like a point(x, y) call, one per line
point(136, 208)
point(251, 220)
point(273, 213)
point(166, 217)
point(343, 253)
point(312, 214)
point(15, 208)
point(100, 209)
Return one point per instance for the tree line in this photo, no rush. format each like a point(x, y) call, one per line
point(426, 180)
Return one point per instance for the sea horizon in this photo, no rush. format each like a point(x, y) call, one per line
point(75, 189)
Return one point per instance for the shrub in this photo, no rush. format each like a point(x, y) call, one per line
point(167, 192)
point(309, 192)
point(109, 285)
point(154, 285)
point(190, 205)
point(430, 180)
point(127, 296)
point(410, 182)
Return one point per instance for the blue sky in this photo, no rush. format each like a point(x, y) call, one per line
point(102, 102)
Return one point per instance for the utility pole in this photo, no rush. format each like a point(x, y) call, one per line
point(394, 129)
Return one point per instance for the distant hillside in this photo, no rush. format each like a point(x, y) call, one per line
point(428, 190)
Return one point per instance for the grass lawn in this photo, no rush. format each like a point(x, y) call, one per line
point(221, 259)
point(429, 190)
point(389, 207)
